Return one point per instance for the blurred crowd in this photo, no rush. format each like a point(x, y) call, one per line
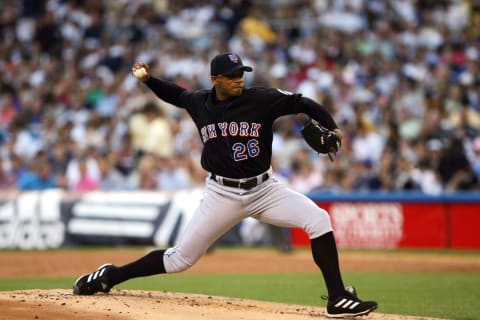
point(400, 77)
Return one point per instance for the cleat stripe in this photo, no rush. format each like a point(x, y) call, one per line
point(340, 302)
point(354, 305)
point(349, 302)
point(101, 272)
point(93, 276)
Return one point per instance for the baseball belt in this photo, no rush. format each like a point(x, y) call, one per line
point(247, 183)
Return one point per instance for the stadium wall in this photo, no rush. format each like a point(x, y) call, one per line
point(54, 218)
point(400, 220)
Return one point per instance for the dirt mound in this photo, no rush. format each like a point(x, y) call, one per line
point(119, 304)
point(148, 305)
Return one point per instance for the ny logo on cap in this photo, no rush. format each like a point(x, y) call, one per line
point(234, 58)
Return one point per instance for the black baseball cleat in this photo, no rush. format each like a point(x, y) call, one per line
point(349, 305)
point(94, 282)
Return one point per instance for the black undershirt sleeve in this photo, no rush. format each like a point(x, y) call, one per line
point(165, 90)
point(317, 112)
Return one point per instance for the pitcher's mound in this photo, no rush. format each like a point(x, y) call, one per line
point(61, 304)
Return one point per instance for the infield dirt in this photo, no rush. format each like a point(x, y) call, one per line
point(148, 305)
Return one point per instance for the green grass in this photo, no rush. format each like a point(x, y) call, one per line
point(441, 295)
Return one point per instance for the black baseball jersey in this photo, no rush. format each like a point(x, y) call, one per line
point(237, 134)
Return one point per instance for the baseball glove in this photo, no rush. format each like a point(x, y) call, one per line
point(321, 139)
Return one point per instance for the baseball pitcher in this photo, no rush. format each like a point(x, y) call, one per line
point(235, 126)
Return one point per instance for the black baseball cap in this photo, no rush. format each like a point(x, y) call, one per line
point(227, 63)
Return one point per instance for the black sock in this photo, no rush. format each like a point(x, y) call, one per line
point(325, 255)
point(148, 265)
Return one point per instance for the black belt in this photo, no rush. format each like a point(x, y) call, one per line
point(246, 184)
